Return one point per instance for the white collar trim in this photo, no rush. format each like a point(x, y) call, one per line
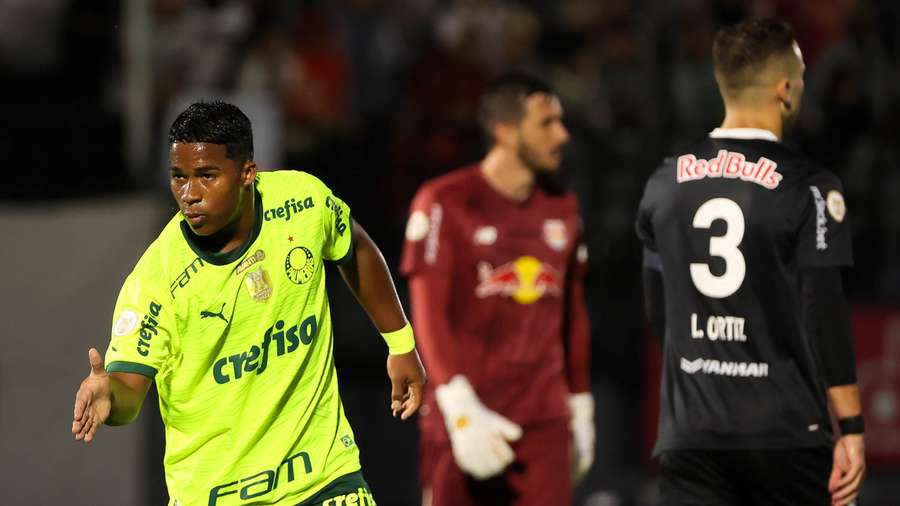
point(743, 133)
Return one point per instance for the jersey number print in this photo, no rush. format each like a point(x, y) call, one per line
point(724, 247)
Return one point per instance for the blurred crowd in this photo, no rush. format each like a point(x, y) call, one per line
point(378, 95)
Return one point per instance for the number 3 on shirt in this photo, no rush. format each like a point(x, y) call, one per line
point(724, 247)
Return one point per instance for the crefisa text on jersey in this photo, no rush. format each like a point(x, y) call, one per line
point(257, 358)
point(729, 165)
point(148, 328)
point(339, 225)
point(719, 328)
point(284, 212)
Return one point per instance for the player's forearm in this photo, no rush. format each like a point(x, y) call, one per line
point(369, 279)
point(845, 401)
point(126, 400)
point(434, 334)
point(577, 341)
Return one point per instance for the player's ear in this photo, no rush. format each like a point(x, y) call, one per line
point(504, 133)
point(783, 94)
point(248, 173)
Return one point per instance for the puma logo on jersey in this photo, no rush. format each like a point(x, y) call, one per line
point(729, 165)
point(210, 314)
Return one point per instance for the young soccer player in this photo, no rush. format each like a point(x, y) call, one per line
point(227, 312)
point(745, 238)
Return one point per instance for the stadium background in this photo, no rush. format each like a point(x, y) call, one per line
point(375, 96)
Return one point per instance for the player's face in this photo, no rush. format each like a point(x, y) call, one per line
point(795, 91)
point(542, 134)
point(208, 185)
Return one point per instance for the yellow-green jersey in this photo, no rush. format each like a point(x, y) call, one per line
point(240, 347)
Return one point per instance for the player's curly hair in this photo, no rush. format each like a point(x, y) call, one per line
point(740, 51)
point(215, 122)
point(504, 98)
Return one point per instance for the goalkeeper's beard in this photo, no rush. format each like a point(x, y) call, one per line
point(531, 159)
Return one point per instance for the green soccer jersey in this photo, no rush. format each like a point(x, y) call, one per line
point(240, 347)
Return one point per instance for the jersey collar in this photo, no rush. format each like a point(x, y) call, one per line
point(230, 256)
point(743, 134)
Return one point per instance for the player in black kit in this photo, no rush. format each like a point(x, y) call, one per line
point(744, 240)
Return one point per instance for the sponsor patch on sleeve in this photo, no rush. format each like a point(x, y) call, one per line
point(417, 226)
point(836, 207)
point(125, 324)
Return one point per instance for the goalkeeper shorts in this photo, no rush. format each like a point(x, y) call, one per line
point(539, 476)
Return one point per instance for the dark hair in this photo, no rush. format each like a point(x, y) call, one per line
point(215, 122)
point(739, 51)
point(503, 99)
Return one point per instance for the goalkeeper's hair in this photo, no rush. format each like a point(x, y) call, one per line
point(742, 51)
point(503, 101)
point(215, 122)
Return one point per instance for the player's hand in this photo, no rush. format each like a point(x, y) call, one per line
point(93, 401)
point(581, 424)
point(407, 380)
point(848, 469)
point(479, 437)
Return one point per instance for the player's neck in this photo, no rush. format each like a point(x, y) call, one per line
point(235, 233)
point(507, 175)
point(753, 117)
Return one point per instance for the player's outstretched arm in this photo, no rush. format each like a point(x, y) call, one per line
point(369, 279)
point(113, 399)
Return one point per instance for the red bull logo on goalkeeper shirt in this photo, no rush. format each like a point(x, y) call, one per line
point(525, 280)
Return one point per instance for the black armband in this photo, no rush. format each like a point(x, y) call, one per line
point(852, 425)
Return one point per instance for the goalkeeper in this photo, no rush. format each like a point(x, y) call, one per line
point(227, 313)
point(495, 261)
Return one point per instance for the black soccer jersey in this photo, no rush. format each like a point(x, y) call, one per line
point(729, 222)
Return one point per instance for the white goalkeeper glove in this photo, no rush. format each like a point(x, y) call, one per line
point(583, 436)
point(480, 437)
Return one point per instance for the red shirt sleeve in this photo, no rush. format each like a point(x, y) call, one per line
point(426, 248)
point(578, 329)
point(428, 261)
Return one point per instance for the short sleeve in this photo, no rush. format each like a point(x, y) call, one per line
point(142, 327)
point(337, 226)
point(428, 243)
point(824, 238)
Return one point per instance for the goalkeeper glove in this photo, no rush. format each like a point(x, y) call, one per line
point(582, 427)
point(479, 437)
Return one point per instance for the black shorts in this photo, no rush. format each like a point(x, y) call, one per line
point(792, 477)
point(348, 490)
